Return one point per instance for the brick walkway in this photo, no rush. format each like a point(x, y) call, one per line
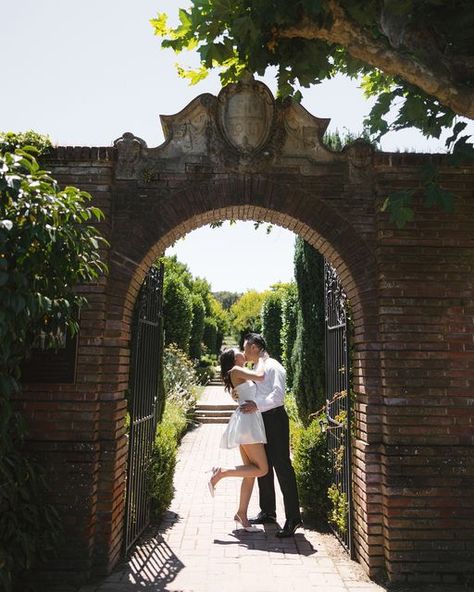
point(196, 549)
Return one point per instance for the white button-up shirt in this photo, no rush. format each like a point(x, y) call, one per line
point(271, 391)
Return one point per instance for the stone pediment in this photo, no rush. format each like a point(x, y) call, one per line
point(243, 129)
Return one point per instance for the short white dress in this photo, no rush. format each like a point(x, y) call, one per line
point(244, 428)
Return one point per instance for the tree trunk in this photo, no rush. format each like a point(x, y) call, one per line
point(433, 79)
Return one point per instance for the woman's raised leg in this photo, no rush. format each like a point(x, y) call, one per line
point(254, 455)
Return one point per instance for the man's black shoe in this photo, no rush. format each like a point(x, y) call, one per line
point(289, 529)
point(263, 518)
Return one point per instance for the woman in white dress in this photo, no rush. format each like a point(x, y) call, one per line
point(245, 430)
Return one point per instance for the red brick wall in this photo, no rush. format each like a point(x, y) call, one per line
point(413, 309)
point(426, 329)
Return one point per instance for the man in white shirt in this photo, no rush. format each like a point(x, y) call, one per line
point(270, 401)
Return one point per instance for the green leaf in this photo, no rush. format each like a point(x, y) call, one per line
point(437, 196)
point(159, 25)
point(185, 19)
point(457, 129)
point(463, 151)
point(398, 206)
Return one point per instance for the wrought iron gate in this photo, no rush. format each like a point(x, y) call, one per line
point(144, 400)
point(338, 406)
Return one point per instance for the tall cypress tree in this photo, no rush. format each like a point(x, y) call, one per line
point(308, 357)
point(289, 314)
point(272, 322)
point(197, 328)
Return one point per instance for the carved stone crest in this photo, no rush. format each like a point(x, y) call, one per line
point(245, 114)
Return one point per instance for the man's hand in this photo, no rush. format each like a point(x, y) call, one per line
point(248, 407)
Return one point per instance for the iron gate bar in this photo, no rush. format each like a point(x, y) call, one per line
point(143, 398)
point(338, 396)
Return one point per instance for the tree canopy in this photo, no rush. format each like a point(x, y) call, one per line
point(414, 55)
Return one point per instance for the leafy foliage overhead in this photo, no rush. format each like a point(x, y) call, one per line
point(422, 43)
point(415, 57)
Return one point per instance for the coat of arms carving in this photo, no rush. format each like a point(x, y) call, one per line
point(245, 114)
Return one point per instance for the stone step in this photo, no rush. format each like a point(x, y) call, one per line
point(215, 382)
point(213, 407)
point(213, 413)
point(220, 420)
point(216, 414)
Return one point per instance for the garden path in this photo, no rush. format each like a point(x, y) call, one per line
point(196, 549)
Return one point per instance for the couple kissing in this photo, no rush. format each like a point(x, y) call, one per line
point(260, 428)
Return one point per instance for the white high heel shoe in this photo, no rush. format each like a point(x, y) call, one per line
point(250, 528)
point(212, 489)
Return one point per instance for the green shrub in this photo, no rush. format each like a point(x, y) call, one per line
point(179, 376)
point(161, 470)
point(178, 312)
point(311, 463)
point(176, 418)
point(339, 508)
point(205, 374)
point(10, 141)
point(295, 422)
point(164, 454)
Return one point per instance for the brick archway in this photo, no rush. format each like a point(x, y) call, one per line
point(412, 297)
point(340, 244)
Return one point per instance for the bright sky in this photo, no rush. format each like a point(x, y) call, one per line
point(86, 71)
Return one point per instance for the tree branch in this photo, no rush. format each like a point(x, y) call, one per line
point(433, 80)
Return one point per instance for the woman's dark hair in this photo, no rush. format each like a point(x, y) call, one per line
point(227, 362)
point(257, 339)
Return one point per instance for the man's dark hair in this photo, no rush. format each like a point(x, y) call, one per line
point(257, 339)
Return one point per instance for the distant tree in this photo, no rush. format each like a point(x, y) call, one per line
point(221, 318)
point(245, 314)
point(180, 270)
point(308, 357)
point(210, 337)
point(202, 287)
point(227, 299)
point(337, 141)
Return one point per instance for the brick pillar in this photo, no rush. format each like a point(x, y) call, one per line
point(426, 325)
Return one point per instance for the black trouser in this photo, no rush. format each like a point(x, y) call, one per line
point(278, 454)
